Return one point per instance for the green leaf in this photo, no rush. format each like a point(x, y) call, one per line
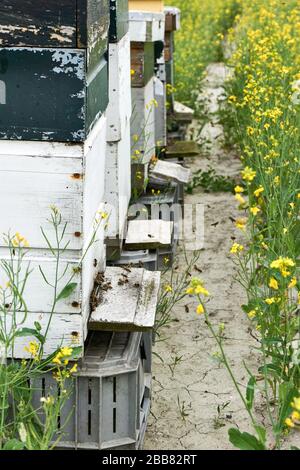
point(287, 392)
point(262, 433)
point(24, 332)
point(38, 326)
point(76, 352)
point(67, 291)
point(244, 440)
point(271, 370)
point(13, 444)
point(250, 392)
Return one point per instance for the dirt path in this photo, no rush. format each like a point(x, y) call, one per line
point(185, 404)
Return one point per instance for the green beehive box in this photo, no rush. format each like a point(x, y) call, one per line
point(119, 20)
point(50, 94)
point(56, 24)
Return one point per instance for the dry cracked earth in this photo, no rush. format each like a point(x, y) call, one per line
point(194, 403)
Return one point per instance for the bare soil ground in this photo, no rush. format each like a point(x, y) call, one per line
point(195, 403)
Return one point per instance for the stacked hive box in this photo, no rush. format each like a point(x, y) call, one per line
point(54, 92)
point(146, 31)
point(157, 6)
point(67, 138)
point(109, 402)
point(172, 24)
point(118, 156)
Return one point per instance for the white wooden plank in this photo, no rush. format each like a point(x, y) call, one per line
point(160, 113)
point(171, 171)
point(131, 301)
point(148, 299)
point(148, 234)
point(183, 112)
point(118, 185)
point(143, 121)
point(94, 179)
point(39, 296)
point(119, 108)
point(63, 331)
point(30, 184)
point(146, 26)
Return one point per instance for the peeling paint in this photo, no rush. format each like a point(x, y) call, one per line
point(68, 62)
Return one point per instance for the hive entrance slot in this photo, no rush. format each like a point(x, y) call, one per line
point(114, 420)
point(114, 389)
point(43, 387)
point(89, 410)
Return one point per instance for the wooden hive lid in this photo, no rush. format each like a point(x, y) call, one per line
point(127, 300)
point(148, 234)
point(171, 171)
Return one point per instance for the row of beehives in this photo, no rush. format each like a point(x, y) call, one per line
point(83, 111)
point(82, 176)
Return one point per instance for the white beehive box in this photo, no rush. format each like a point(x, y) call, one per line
point(118, 151)
point(143, 121)
point(37, 175)
point(146, 26)
point(33, 177)
point(119, 108)
point(160, 113)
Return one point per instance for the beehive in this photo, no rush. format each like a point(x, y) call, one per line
point(33, 177)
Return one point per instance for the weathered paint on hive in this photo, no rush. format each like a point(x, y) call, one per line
point(93, 17)
point(34, 176)
point(119, 20)
point(53, 23)
point(50, 94)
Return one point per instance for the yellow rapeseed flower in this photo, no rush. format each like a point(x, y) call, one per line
point(238, 189)
point(273, 284)
point(282, 263)
point(254, 210)
point(73, 369)
point(258, 191)
point(296, 403)
point(270, 300)
point(252, 314)
point(32, 348)
point(66, 351)
point(200, 290)
point(248, 174)
point(200, 309)
point(293, 283)
point(236, 248)
point(241, 223)
point(168, 288)
point(289, 423)
point(240, 199)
